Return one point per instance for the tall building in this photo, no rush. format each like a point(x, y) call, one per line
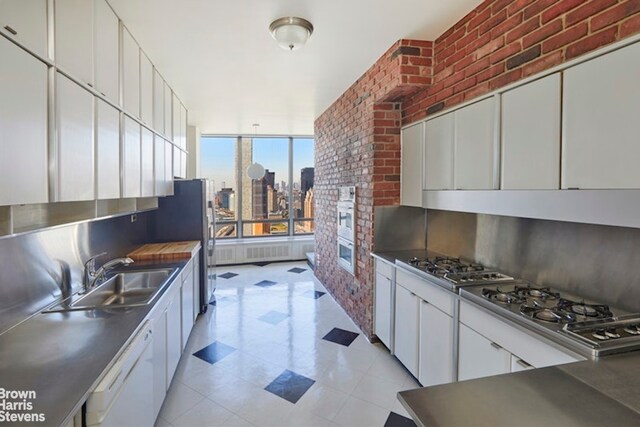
point(246, 190)
point(306, 182)
point(261, 189)
point(227, 198)
point(309, 208)
point(272, 199)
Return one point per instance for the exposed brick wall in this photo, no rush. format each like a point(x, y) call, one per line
point(357, 138)
point(502, 41)
point(358, 143)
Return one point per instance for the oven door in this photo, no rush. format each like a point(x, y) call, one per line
point(346, 255)
point(346, 220)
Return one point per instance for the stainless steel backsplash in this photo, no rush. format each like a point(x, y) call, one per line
point(32, 266)
point(594, 261)
point(399, 228)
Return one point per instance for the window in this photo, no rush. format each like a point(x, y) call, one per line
point(280, 203)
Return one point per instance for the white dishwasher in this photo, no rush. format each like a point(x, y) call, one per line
point(124, 397)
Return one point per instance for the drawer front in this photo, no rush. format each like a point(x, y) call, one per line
point(385, 269)
point(429, 292)
point(535, 351)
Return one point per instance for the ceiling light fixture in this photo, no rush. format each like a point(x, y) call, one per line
point(291, 33)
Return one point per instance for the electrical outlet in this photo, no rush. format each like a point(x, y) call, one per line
point(134, 217)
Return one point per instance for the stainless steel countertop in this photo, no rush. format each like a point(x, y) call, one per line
point(392, 256)
point(62, 356)
point(592, 393)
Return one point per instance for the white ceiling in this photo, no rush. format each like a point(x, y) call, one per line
point(220, 59)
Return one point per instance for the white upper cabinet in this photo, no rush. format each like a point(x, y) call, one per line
point(147, 159)
point(130, 73)
point(158, 102)
point(175, 121)
point(159, 166)
point(177, 161)
point(476, 146)
point(168, 168)
point(26, 22)
point(107, 70)
point(146, 89)
point(601, 122)
point(438, 153)
point(531, 136)
point(131, 159)
point(74, 38)
point(107, 151)
point(23, 126)
point(75, 141)
point(168, 99)
point(412, 141)
point(183, 127)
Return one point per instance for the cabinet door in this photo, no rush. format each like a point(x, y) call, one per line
point(168, 120)
point(411, 165)
point(168, 168)
point(26, 22)
point(183, 164)
point(531, 147)
point(196, 287)
point(146, 163)
point(480, 357)
point(131, 161)
point(476, 146)
point(158, 102)
point(107, 63)
point(23, 126)
point(406, 329)
point(74, 38)
point(146, 89)
point(383, 310)
point(175, 120)
point(107, 151)
point(436, 346)
point(601, 130)
point(159, 362)
point(183, 130)
point(518, 364)
point(174, 333)
point(75, 141)
point(187, 305)
point(177, 162)
point(130, 74)
point(158, 166)
point(438, 153)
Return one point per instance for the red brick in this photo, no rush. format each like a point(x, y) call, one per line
point(476, 67)
point(541, 34)
point(630, 26)
point(506, 78)
point(592, 42)
point(587, 9)
point(518, 5)
point(492, 22)
point(523, 29)
point(506, 52)
point(507, 25)
point(490, 47)
point(498, 5)
point(490, 73)
point(457, 35)
point(464, 85)
point(479, 19)
point(559, 8)
point(615, 14)
point(477, 90)
point(537, 7)
point(470, 37)
point(543, 63)
point(572, 34)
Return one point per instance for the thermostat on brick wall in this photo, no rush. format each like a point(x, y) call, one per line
point(347, 194)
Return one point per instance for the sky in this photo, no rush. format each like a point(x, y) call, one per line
point(218, 157)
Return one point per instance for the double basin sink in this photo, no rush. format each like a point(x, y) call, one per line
point(124, 289)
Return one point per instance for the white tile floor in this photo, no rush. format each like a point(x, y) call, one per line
point(355, 385)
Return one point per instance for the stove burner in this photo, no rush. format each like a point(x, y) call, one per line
point(600, 334)
point(583, 309)
point(545, 314)
point(502, 297)
point(612, 333)
point(542, 293)
point(633, 329)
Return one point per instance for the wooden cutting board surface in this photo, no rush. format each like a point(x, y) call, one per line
point(165, 251)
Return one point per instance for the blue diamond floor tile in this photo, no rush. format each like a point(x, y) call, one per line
point(228, 275)
point(297, 270)
point(214, 352)
point(397, 420)
point(341, 336)
point(314, 294)
point(273, 317)
point(265, 283)
point(290, 386)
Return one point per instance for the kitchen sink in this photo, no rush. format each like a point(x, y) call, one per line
point(124, 289)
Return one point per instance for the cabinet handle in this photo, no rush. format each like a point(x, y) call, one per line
point(496, 346)
point(11, 30)
point(524, 364)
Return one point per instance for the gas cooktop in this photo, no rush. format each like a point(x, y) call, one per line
point(599, 328)
point(456, 271)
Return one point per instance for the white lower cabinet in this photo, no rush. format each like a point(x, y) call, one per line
point(480, 357)
point(383, 310)
point(518, 364)
point(159, 360)
point(406, 328)
point(187, 303)
point(174, 332)
point(436, 346)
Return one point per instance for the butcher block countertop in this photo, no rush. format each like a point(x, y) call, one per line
point(168, 251)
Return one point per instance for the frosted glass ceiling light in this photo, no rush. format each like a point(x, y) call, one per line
point(291, 33)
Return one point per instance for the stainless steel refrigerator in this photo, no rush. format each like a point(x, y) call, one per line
point(189, 215)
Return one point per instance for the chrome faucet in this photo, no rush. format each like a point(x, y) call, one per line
point(93, 276)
